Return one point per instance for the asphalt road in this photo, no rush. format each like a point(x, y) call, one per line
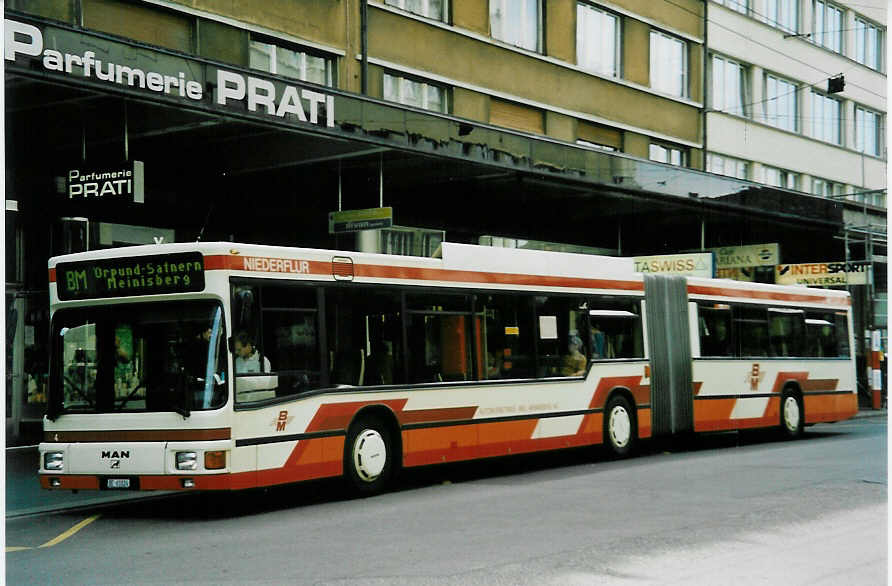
point(728, 509)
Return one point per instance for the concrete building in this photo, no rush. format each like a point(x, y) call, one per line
point(562, 123)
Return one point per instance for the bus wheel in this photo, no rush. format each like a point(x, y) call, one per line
point(791, 415)
point(368, 456)
point(619, 427)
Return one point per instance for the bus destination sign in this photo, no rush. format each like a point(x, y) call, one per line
point(125, 277)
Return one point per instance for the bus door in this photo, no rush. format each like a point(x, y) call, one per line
point(668, 339)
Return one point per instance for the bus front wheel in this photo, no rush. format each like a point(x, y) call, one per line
point(791, 415)
point(368, 456)
point(619, 427)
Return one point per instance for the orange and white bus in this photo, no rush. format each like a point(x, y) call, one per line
point(221, 366)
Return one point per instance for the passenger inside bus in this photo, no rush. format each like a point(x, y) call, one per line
point(574, 363)
point(379, 364)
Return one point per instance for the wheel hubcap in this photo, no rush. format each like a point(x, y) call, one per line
point(369, 455)
point(791, 413)
point(620, 426)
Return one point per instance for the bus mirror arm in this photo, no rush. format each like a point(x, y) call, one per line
point(183, 391)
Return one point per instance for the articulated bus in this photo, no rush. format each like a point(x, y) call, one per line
point(222, 366)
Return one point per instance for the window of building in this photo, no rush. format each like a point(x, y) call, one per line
point(138, 21)
point(728, 86)
point(868, 44)
point(781, 103)
point(825, 188)
point(435, 9)
point(517, 116)
point(294, 62)
point(668, 154)
point(516, 22)
point(868, 131)
point(741, 6)
point(828, 26)
point(826, 118)
point(594, 145)
point(783, 14)
point(728, 166)
point(875, 197)
point(668, 64)
point(780, 178)
point(598, 136)
point(416, 93)
point(597, 40)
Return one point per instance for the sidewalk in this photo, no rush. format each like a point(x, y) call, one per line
point(25, 497)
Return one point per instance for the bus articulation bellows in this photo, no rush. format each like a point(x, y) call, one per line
point(223, 366)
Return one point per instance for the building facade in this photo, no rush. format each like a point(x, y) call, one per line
point(623, 127)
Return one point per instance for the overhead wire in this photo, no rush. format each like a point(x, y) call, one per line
point(769, 47)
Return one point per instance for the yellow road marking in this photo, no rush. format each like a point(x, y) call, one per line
point(70, 532)
point(60, 538)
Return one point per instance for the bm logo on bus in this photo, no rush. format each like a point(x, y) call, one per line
point(282, 420)
point(755, 377)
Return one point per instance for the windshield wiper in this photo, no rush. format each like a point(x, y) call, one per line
point(77, 388)
point(140, 385)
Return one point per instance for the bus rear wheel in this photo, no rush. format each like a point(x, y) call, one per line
point(619, 427)
point(368, 456)
point(791, 415)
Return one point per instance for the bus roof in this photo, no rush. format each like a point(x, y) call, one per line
point(461, 264)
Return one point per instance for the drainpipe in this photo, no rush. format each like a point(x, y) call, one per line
point(364, 41)
point(705, 77)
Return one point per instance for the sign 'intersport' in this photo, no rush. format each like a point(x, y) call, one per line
point(97, 59)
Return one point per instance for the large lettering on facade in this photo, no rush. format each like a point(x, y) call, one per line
point(258, 94)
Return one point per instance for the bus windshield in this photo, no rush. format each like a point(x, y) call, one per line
point(139, 357)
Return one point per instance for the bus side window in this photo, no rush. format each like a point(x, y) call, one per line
point(615, 328)
point(506, 339)
point(439, 334)
point(364, 336)
point(245, 310)
point(561, 346)
point(751, 326)
point(715, 329)
point(826, 334)
point(787, 328)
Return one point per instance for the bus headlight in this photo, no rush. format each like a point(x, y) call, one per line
point(187, 461)
point(53, 460)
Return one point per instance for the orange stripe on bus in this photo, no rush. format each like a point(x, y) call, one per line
point(786, 377)
point(826, 408)
point(719, 291)
point(713, 415)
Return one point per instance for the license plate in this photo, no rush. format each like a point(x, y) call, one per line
point(117, 483)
